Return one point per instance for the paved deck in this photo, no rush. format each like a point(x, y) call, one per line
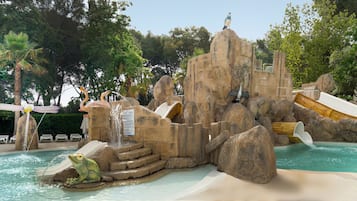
point(42, 146)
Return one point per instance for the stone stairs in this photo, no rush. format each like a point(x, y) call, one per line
point(135, 161)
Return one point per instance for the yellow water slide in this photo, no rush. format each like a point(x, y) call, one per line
point(321, 109)
point(294, 130)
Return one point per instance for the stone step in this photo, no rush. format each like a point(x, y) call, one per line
point(138, 172)
point(123, 165)
point(131, 155)
point(130, 147)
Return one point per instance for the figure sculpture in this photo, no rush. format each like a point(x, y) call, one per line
point(101, 103)
point(87, 169)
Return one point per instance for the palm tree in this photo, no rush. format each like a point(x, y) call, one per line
point(22, 54)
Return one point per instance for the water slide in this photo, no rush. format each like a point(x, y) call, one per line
point(87, 150)
point(328, 106)
point(294, 130)
point(169, 111)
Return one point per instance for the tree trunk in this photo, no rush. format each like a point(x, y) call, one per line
point(17, 94)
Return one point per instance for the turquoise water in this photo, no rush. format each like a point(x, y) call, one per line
point(323, 156)
point(18, 181)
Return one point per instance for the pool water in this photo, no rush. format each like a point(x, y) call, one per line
point(19, 182)
point(323, 156)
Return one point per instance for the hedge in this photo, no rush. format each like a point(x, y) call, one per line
point(52, 123)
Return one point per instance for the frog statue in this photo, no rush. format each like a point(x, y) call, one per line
point(87, 169)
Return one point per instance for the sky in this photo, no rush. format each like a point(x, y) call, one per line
point(251, 19)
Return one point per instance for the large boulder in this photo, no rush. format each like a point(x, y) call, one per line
point(163, 88)
point(282, 110)
point(325, 129)
point(249, 156)
point(326, 83)
point(32, 134)
point(190, 113)
point(240, 117)
point(259, 106)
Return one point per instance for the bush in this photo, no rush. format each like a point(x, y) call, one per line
point(51, 123)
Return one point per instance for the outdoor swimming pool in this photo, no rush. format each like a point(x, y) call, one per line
point(18, 181)
point(323, 156)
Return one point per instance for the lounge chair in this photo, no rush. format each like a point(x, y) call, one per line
point(61, 138)
point(3, 139)
point(75, 137)
point(12, 139)
point(46, 138)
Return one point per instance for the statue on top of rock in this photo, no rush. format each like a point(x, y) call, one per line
point(227, 21)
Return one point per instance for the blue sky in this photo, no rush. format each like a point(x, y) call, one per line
point(251, 19)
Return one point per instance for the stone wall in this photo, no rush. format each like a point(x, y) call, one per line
point(276, 84)
point(99, 124)
point(167, 138)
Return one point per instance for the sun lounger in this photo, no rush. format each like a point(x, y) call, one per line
point(12, 139)
point(61, 138)
point(46, 138)
point(3, 139)
point(75, 137)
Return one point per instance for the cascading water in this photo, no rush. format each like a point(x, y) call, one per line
point(115, 115)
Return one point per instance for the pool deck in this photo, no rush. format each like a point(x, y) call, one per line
point(289, 185)
point(42, 146)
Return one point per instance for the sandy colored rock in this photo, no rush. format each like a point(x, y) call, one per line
point(190, 113)
point(281, 110)
point(217, 141)
point(186, 162)
point(65, 174)
point(240, 117)
point(260, 106)
point(325, 83)
point(105, 157)
point(249, 156)
point(32, 135)
point(325, 129)
point(163, 89)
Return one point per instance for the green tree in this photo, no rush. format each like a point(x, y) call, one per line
point(345, 5)
point(329, 33)
point(23, 55)
point(288, 38)
point(309, 36)
point(344, 65)
point(55, 26)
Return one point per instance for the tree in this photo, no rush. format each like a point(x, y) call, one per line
point(288, 38)
point(308, 37)
point(344, 65)
point(56, 27)
point(346, 5)
point(329, 33)
point(23, 55)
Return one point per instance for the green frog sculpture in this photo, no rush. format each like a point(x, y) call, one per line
point(87, 169)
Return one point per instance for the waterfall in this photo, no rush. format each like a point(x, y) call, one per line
point(115, 115)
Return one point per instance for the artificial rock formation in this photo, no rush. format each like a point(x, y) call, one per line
point(325, 129)
point(32, 135)
point(240, 117)
point(249, 156)
point(163, 92)
point(325, 83)
point(213, 80)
